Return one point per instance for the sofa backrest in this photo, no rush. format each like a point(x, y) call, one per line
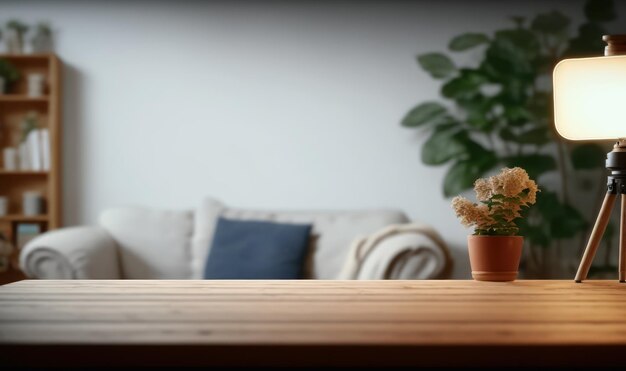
point(154, 244)
point(332, 233)
point(158, 244)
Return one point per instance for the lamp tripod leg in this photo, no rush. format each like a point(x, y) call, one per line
point(622, 242)
point(596, 236)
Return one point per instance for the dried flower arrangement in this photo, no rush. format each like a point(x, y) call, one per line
point(502, 197)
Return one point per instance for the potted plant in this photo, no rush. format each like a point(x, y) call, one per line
point(495, 248)
point(42, 41)
point(8, 75)
point(15, 36)
point(496, 110)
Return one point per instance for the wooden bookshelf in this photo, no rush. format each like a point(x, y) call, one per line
point(22, 172)
point(20, 218)
point(21, 98)
point(14, 105)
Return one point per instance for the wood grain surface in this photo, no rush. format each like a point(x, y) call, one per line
point(314, 322)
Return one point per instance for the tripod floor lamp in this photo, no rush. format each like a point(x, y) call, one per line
point(590, 104)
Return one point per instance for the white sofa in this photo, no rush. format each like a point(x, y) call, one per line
point(141, 243)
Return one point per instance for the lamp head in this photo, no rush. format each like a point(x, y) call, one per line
point(590, 94)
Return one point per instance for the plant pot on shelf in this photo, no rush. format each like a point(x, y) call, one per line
point(495, 258)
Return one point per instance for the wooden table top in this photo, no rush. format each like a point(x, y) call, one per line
point(315, 322)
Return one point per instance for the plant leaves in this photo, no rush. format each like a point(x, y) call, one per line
point(548, 204)
point(511, 54)
point(600, 10)
point(8, 71)
point(428, 112)
point(467, 41)
point(438, 65)
point(445, 143)
point(562, 220)
point(507, 134)
point(524, 40)
point(568, 223)
point(537, 136)
point(588, 156)
point(588, 42)
point(477, 108)
point(516, 115)
point(465, 85)
point(550, 23)
point(539, 106)
point(462, 175)
point(537, 235)
point(535, 164)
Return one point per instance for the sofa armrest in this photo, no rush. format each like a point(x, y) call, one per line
point(404, 251)
point(72, 253)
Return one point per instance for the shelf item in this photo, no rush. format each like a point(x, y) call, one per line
point(26, 232)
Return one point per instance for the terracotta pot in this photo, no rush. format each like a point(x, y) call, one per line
point(495, 258)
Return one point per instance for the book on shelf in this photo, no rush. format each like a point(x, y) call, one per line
point(23, 155)
point(45, 149)
point(26, 232)
point(33, 144)
point(34, 152)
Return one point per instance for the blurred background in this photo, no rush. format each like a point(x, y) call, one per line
point(306, 105)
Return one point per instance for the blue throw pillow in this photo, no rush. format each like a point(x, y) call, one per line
point(244, 249)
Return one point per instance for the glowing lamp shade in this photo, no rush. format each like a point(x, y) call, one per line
point(590, 98)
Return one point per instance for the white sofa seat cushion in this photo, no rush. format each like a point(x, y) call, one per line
point(334, 232)
point(154, 244)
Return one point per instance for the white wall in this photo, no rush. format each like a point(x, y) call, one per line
point(261, 104)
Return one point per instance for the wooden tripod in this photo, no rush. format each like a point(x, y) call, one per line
point(616, 162)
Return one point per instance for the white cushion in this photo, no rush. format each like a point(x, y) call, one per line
point(333, 231)
point(153, 244)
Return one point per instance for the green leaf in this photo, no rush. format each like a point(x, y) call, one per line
point(507, 134)
point(477, 107)
point(511, 54)
point(438, 65)
point(467, 41)
point(445, 143)
point(548, 204)
point(600, 10)
point(535, 165)
point(462, 175)
point(558, 220)
point(523, 39)
point(550, 23)
point(539, 105)
point(8, 71)
point(465, 85)
point(588, 42)
point(537, 136)
point(515, 92)
point(516, 115)
point(588, 156)
point(428, 112)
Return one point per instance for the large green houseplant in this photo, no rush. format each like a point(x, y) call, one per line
point(498, 113)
